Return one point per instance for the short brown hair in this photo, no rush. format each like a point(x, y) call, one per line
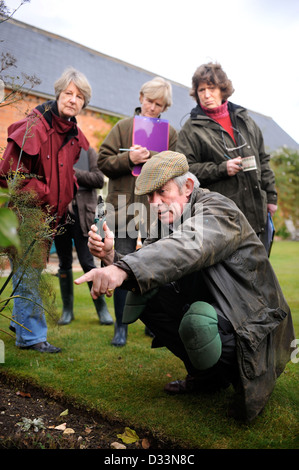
point(212, 74)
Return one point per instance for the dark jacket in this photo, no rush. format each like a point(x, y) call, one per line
point(116, 165)
point(89, 178)
point(216, 239)
point(203, 142)
point(49, 147)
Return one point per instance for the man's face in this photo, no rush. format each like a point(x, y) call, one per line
point(168, 202)
point(70, 102)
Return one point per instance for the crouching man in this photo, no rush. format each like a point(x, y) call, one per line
point(203, 284)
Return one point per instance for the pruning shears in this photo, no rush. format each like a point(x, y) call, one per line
point(99, 217)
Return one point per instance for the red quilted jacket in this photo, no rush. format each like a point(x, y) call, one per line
point(44, 148)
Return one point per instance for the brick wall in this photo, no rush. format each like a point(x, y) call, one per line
point(90, 122)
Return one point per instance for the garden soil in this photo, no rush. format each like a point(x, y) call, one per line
point(58, 424)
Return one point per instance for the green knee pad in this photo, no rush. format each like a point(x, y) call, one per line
point(135, 305)
point(199, 333)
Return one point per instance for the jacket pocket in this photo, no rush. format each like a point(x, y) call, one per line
point(255, 343)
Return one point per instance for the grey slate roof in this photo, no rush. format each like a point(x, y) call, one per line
point(115, 84)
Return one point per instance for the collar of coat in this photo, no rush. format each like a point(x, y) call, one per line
point(137, 112)
point(197, 112)
point(49, 110)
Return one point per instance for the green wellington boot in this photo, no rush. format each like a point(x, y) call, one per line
point(67, 295)
point(102, 309)
point(120, 329)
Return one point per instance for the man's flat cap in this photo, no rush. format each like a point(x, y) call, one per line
point(159, 169)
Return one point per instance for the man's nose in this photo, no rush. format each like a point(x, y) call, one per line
point(155, 199)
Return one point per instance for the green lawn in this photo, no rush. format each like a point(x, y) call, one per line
point(127, 383)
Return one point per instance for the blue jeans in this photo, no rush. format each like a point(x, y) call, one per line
point(29, 313)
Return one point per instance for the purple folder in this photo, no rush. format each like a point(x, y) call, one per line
point(152, 133)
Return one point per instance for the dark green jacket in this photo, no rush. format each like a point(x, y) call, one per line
point(216, 239)
point(201, 140)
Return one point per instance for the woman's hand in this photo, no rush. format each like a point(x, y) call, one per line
point(139, 154)
point(272, 208)
point(234, 166)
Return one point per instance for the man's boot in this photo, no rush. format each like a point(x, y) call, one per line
point(102, 309)
point(67, 296)
point(120, 329)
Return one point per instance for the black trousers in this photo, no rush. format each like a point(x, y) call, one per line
point(163, 315)
point(64, 245)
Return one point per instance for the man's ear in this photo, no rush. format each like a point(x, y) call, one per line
point(189, 186)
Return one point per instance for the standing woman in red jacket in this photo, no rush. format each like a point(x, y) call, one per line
point(49, 143)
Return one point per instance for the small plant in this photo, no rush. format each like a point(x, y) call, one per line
point(28, 247)
point(37, 424)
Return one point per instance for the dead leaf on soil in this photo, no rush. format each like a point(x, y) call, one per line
point(61, 427)
point(129, 436)
point(145, 443)
point(23, 394)
point(117, 445)
point(68, 431)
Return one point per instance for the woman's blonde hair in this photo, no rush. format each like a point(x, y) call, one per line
point(158, 88)
point(78, 78)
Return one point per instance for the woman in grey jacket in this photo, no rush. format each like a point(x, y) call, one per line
point(225, 148)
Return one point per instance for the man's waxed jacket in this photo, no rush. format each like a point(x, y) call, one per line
point(216, 239)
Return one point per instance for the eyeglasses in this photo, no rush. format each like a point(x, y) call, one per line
point(234, 148)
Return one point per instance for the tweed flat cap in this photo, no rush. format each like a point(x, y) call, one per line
point(159, 169)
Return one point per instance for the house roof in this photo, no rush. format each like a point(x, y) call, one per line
point(115, 84)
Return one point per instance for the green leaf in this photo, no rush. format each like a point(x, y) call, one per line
point(4, 195)
point(8, 228)
point(129, 436)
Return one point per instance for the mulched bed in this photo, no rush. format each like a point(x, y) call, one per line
point(20, 400)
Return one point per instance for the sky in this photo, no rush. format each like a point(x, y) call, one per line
point(255, 41)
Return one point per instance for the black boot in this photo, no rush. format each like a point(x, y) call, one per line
point(120, 329)
point(67, 295)
point(102, 309)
